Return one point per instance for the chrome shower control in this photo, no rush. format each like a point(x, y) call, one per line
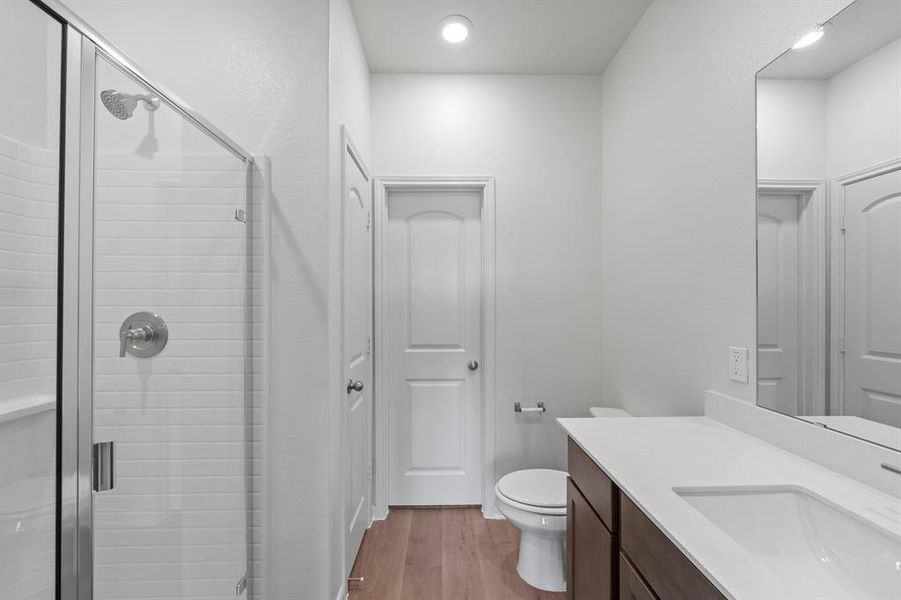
point(143, 334)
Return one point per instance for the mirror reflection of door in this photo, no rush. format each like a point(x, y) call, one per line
point(777, 302)
point(872, 240)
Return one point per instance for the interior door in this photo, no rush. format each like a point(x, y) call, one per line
point(873, 299)
point(357, 446)
point(777, 305)
point(170, 507)
point(434, 264)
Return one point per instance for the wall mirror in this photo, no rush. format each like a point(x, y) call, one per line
point(829, 225)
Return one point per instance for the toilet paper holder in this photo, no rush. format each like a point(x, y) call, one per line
point(517, 407)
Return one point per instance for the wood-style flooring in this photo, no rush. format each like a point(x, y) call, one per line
point(441, 554)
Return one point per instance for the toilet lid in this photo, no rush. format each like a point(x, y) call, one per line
point(535, 487)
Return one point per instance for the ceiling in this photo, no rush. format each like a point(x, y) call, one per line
point(509, 36)
point(850, 36)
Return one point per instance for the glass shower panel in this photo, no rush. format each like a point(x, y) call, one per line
point(169, 351)
point(30, 79)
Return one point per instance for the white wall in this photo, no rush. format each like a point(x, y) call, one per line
point(540, 136)
point(30, 62)
point(822, 129)
point(864, 113)
point(791, 129)
point(678, 219)
point(259, 70)
point(348, 106)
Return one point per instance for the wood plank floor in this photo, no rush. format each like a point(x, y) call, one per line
point(441, 554)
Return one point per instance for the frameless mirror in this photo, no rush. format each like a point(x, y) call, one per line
point(829, 225)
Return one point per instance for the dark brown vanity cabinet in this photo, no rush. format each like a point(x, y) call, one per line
point(614, 551)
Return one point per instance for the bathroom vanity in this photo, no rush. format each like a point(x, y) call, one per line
point(688, 508)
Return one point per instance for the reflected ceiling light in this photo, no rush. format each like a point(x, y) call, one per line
point(455, 28)
point(811, 38)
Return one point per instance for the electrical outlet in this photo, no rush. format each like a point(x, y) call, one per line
point(738, 364)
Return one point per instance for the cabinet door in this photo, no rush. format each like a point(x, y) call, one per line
point(631, 585)
point(589, 567)
point(667, 571)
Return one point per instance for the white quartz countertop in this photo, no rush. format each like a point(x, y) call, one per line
point(649, 456)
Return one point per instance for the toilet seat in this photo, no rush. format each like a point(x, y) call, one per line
point(535, 490)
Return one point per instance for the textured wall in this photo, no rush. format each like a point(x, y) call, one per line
point(678, 219)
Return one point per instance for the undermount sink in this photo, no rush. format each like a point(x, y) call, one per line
point(817, 549)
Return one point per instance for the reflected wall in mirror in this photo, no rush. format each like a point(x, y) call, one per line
point(829, 226)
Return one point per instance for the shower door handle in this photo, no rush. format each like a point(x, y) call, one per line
point(103, 459)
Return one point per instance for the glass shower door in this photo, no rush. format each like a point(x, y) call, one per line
point(30, 80)
point(169, 265)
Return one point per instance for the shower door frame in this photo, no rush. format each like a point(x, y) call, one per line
point(82, 46)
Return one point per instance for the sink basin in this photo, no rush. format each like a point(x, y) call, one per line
point(817, 549)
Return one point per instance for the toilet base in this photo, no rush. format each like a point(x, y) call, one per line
point(542, 561)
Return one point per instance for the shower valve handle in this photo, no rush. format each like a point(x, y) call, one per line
point(143, 335)
point(132, 336)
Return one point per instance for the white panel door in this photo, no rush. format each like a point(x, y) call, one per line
point(873, 299)
point(777, 303)
point(357, 418)
point(434, 264)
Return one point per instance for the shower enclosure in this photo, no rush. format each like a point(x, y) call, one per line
point(125, 327)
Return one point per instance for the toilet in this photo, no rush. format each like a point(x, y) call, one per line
point(534, 500)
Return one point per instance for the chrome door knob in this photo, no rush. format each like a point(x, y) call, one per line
point(472, 365)
point(354, 386)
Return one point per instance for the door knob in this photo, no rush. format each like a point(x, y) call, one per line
point(472, 365)
point(354, 386)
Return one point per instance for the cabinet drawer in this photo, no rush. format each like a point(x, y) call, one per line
point(667, 571)
point(631, 585)
point(590, 569)
point(594, 484)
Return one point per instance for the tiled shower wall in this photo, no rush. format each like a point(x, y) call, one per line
point(167, 241)
point(28, 258)
point(28, 254)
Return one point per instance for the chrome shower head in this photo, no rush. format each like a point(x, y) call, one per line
point(122, 105)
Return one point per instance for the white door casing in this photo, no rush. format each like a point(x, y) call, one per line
point(434, 298)
point(778, 311)
point(357, 351)
point(872, 298)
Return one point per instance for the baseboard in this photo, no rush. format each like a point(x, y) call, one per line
point(492, 514)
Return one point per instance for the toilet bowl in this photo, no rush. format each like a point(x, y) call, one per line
point(534, 500)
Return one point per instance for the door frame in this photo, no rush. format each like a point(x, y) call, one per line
point(838, 188)
point(813, 290)
point(382, 187)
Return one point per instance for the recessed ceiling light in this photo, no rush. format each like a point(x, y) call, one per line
point(455, 28)
point(811, 38)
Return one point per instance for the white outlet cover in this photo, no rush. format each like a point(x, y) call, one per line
point(738, 364)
